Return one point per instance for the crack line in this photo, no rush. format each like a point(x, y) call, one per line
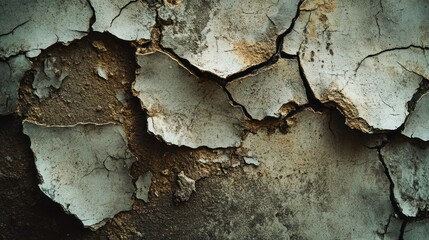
point(388, 50)
point(11, 31)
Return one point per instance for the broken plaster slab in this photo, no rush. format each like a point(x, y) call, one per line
point(370, 72)
point(11, 73)
point(417, 124)
point(408, 167)
point(324, 183)
point(184, 110)
point(49, 76)
point(225, 37)
point(143, 186)
point(273, 92)
point(84, 168)
point(27, 25)
point(127, 20)
point(186, 187)
point(417, 230)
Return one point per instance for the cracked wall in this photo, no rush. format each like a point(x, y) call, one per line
point(150, 119)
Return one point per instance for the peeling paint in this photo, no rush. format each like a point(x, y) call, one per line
point(376, 68)
point(265, 92)
point(225, 37)
point(143, 186)
point(102, 72)
point(28, 25)
point(11, 73)
point(408, 167)
point(417, 124)
point(84, 168)
point(127, 20)
point(48, 76)
point(184, 110)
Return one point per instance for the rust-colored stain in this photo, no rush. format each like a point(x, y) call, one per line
point(312, 26)
point(253, 53)
point(174, 2)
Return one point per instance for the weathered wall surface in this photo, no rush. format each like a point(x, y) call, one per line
point(146, 119)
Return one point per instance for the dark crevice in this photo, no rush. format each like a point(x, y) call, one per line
point(313, 101)
point(411, 105)
point(388, 50)
point(223, 81)
point(423, 88)
point(93, 17)
point(236, 103)
point(280, 38)
point(402, 230)
point(395, 204)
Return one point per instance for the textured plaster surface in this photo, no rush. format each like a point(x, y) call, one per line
point(225, 37)
point(409, 168)
point(417, 124)
point(267, 91)
point(370, 72)
point(84, 168)
point(185, 110)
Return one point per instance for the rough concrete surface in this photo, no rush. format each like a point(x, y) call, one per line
point(214, 119)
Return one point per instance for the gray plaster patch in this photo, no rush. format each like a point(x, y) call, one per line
point(127, 20)
point(370, 72)
point(408, 166)
point(417, 124)
point(418, 230)
point(11, 73)
point(143, 186)
point(49, 76)
point(225, 37)
point(265, 92)
point(27, 25)
point(184, 110)
point(84, 168)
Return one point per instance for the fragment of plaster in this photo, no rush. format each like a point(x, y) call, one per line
point(102, 72)
point(251, 161)
point(417, 124)
point(417, 230)
point(186, 187)
point(84, 168)
point(371, 72)
point(120, 96)
point(48, 76)
point(184, 110)
point(127, 20)
point(225, 37)
point(408, 167)
point(265, 92)
point(214, 156)
point(11, 73)
point(33, 53)
point(143, 186)
point(27, 25)
point(322, 175)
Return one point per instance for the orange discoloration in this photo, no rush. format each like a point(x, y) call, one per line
point(253, 53)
